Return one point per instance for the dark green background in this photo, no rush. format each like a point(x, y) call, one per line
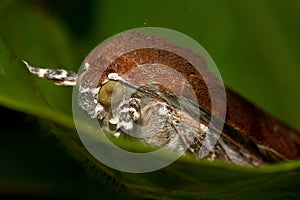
point(255, 45)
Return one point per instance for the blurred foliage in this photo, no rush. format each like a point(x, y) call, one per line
point(255, 45)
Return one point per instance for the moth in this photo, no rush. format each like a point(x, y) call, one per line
point(139, 85)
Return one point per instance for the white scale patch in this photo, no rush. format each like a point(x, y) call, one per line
point(162, 111)
point(86, 66)
point(114, 120)
point(113, 76)
point(203, 128)
point(125, 125)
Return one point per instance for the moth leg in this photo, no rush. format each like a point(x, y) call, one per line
point(60, 76)
point(129, 113)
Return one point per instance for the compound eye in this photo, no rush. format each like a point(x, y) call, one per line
point(111, 93)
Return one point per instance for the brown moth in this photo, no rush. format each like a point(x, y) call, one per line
point(121, 90)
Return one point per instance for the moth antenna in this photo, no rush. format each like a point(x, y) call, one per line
point(59, 76)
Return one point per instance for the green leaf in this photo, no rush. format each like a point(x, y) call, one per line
point(27, 34)
point(223, 28)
